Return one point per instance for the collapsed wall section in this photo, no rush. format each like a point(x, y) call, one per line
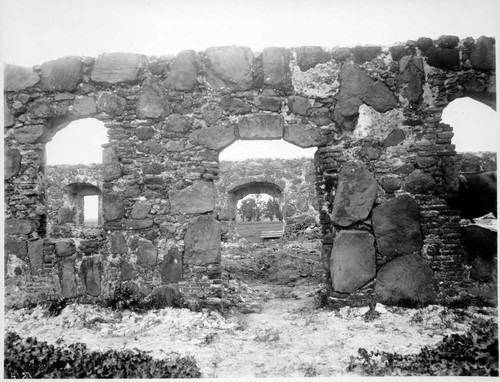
point(373, 113)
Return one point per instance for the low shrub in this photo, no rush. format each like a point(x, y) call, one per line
point(30, 358)
point(472, 354)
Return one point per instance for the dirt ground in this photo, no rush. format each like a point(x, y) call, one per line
point(274, 330)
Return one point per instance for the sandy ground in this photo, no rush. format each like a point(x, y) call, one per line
point(279, 333)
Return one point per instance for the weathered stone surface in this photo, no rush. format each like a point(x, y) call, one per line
point(19, 78)
point(174, 145)
point(352, 262)
point(111, 103)
point(183, 71)
point(326, 252)
point(64, 73)
point(145, 132)
point(216, 137)
point(118, 244)
point(391, 184)
point(138, 224)
point(211, 112)
point(67, 278)
point(356, 192)
point(65, 248)
point(15, 246)
point(448, 41)
point(405, 278)
point(12, 163)
point(444, 58)
point(202, 241)
point(65, 214)
point(171, 269)
point(299, 105)
point(396, 224)
point(378, 96)
point(114, 68)
point(397, 51)
point(91, 275)
point(412, 77)
point(112, 206)
point(8, 117)
point(230, 66)
point(276, 68)
point(425, 44)
point(304, 136)
point(365, 53)
point(198, 198)
point(22, 226)
point(90, 246)
point(128, 272)
point(150, 104)
point(395, 137)
point(140, 210)
point(178, 123)
point(35, 254)
point(341, 54)
point(370, 151)
point(235, 106)
point(310, 56)
point(418, 182)
point(268, 103)
point(354, 80)
point(261, 126)
point(85, 106)
point(482, 56)
point(146, 254)
point(111, 168)
point(28, 133)
point(481, 246)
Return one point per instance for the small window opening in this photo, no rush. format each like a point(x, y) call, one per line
point(91, 210)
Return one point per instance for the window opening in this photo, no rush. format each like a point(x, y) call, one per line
point(91, 210)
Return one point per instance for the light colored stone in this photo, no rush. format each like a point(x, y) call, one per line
point(405, 278)
point(355, 195)
point(85, 106)
point(111, 168)
point(216, 137)
point(64, 73)
point(8, 117)
point(230, 66)
point(304, 135)
point(352, 261)
point(147, 254)
point(198, 198)
point(140, 210)
point(396, 224)
point(111, 103)
point(114, 68)
point(183, 71)
point(28, 133)
point(202, 241)
point(150, 104)
point(261, 126)
point(67, 278)
point(19, 78)
point(276, 68)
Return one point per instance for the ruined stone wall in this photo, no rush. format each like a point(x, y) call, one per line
point(374, 113)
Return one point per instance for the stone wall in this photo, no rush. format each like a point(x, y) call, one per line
point(373, 112)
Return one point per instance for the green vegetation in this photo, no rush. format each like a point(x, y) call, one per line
point(29, 358)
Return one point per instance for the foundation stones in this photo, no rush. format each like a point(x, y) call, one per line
point(396, 224)
point(114, 68)
point(65, 73)
point(19, 78)
point(198, 198)
point(356, 192)
point(352, 262)
point(202, 241)
point(183, 73)
point(405, 278)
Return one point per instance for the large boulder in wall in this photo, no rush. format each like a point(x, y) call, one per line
point(229, 66)
point(356, 192)
point(396, 224)
point(198, 198)
point(202, 241)
point(406, 277)
point(352, 261)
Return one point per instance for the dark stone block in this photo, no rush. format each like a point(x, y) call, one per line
point(396, 224)
point(91, 275)
point(146, 254)
point(229, 67)
point(118, 243)
point(276, 68)
point(341, 54)
point(444, 58)
point(90, 246)
point(425, 44)
point(394, 138)
point(391, 184)
point(12, 163)
point(183, 71)
point(235, 106)
point(419, 182)
point(67, 278)
point(268, 103)
point(202, 241)
point(397, 52)
point(448, 41)
point(15, 246)
point(171, 269)
point(365, 53)
point(378, 96)
point(482, 56)
point(310, 56)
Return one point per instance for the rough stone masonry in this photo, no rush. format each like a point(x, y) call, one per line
point(384, 164)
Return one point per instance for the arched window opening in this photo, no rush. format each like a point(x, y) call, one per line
point(80, 142)
point(475, 125)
